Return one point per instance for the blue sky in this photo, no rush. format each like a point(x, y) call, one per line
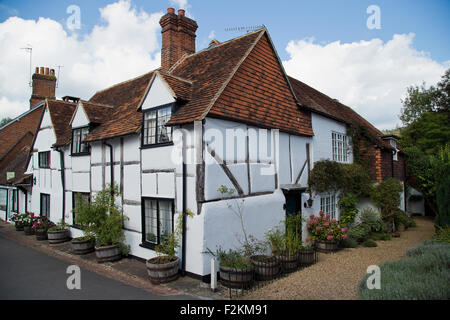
point(326, 44)
point(324, 20)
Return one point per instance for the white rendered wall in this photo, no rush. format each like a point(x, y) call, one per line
point(158, 95)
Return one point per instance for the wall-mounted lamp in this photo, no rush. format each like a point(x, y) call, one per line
point(309, 203)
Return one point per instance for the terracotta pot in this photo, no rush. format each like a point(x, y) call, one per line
point(83, 246)
point(58, 236)
point(326, 246)
point(108, 253)
point(288, 263)
point(266, 267)
point(236, 278)
point(162, 270)
point(41, 234)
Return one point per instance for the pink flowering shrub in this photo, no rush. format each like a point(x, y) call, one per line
point(323, 228)
point(42, 222)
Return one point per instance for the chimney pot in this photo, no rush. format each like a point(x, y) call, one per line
point(41, 70)
point(170, 10)
point(36, 70)
point(47, 71)
point(52, 72)
point(181, 12)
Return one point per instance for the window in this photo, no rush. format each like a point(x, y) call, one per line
point(340, 147)
point(76, 196)
point(157, 220)
point(328, 205)
point(45, 204)
point(15, 201)
point(78, 136)
point(3, 199)
point(44, 159)
point(394, 153)
point(155, 130)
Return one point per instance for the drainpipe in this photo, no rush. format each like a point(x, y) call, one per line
point(63, 182)
point(183, 252)
point(111, 166)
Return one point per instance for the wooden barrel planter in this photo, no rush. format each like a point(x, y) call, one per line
point(306, 257)
point(326, 246)
point(108, 253)
point(288, 263)
point(236, 278)
point(162, 269)
point(19, 227)
point(58, 236)
point(41, 234)
point(83, 246)
point(266, 267)
point(28, 230)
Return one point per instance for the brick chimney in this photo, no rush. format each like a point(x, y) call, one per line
point(44, 84)
point(178, 37)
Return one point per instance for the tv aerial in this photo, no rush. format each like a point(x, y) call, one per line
point(29, 49)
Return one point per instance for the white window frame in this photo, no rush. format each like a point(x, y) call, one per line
point(328, 204)
point(339, 147)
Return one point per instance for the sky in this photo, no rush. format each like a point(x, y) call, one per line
point(363, 53)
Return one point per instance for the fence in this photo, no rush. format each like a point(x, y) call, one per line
point(265, 270)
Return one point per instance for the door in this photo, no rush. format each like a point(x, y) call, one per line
point(294, 207)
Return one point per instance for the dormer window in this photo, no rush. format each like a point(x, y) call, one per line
point(155, 132)
point(78, 136)
point(394, 153)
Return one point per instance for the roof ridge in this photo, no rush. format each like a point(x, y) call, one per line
point(173, 76)
point(123, 82)
point(97, 104)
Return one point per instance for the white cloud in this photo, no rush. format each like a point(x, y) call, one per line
point(369, 76)
point(212, 35)
point(124, 46)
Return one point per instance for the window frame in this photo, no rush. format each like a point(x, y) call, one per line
point(44, 195)
point(156, 144)
point(80, 153)
point(144, 242)
point(341, 156)
point(41, 163)
point(334, 213)
point(74, 193)
point(15, 201)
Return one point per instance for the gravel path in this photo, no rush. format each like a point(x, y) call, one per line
point(336, 275)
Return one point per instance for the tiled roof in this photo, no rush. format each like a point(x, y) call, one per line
point(181, 88)
point(125, 97)
point(97, 113)
point(323, 104)
point(60, 113)
point(16, 162)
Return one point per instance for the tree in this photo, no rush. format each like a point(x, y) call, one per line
point(420, 100)
point(5, 121)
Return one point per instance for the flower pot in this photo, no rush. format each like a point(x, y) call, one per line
point(58, 236)
point(108, 253)
point(162, 269)
point(266, 267)
point(326, 246)
point(28, 230)
point(288, 263)
point(19, 227)
point(306, 257)
point(236, 278)
point(41, 234)
point(83, 246)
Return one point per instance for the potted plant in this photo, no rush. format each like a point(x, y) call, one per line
point(86, 243)
point(164, 267)
point(18, 221)
point(306, 255)
point(236, 269)
point(58, 233)
point(41, 226)
point(325, 232)
point(27, 223)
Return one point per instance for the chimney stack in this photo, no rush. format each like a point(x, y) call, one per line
point(44, 85)
point(178, 37)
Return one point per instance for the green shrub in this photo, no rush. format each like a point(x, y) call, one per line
point(348, 211)
point(401, 219)
point(372, 219)
point(424, 275)
point(326, 176)
point(384, 236)
point(369, 243)
point(442, 235)
point(386, 195)
point(360, 233)
point(348, 243)
point(356, 180)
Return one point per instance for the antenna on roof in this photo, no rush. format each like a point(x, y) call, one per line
point(246, 28)
point(29, 49)
point(57, 78)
